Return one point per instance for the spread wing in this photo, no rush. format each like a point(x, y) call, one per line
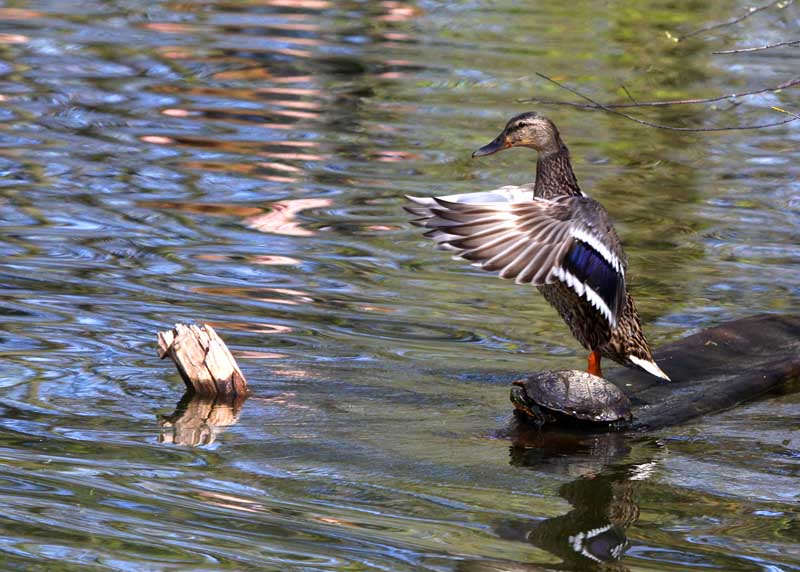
point(535, 241)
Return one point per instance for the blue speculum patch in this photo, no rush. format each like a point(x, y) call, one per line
point(589, 266)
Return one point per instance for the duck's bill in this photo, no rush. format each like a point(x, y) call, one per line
point(497, 145)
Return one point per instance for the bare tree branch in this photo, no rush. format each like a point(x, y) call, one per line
point(664, 103)
point(598, 105)
point(760, 48)
point(780, 3)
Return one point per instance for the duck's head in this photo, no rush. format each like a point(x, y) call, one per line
point(526, 130)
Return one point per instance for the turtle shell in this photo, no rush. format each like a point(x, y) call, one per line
point(576, 394)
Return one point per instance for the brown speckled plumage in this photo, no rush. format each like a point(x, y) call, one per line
point(555, 238)
point(554, 176)
point(593, 331)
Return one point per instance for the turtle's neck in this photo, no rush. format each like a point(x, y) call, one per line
point(554, 175)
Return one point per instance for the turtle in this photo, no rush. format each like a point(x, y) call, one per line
point(549, 395)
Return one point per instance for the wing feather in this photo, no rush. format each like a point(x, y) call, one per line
point(533, 240)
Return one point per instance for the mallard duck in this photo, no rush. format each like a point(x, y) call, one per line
point(549, 234)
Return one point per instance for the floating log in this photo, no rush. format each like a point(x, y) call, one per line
point(203, 360)
point(711, 371)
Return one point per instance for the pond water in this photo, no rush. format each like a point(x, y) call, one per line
point(243, 164)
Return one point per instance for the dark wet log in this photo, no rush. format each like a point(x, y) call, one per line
point(203, 360)
point(713, 370)
point(198, 420)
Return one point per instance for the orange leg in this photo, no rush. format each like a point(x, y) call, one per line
point(594, 364)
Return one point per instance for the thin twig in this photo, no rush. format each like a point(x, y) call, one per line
point(628, 93)
point(792, 113)
point(750, 12)
point(599, 105)
point(664, 103)
point(759, 48)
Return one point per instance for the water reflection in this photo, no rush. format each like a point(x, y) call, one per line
point(243, 163)
point(276, 218)
point(199, 420)
point(573, 453)
point(592, 536)
point(280, 219)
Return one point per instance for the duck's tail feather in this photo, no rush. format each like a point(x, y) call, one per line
point(649, 366)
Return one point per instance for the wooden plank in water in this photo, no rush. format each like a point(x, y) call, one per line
point(203, 360)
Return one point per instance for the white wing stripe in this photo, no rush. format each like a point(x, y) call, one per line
point(598, 303)
point(599, 247)
point(583, 289)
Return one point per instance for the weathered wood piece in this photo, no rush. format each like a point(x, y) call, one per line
point(203, 360)
point(712, 370)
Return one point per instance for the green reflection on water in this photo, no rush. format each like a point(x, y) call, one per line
point(155, 162)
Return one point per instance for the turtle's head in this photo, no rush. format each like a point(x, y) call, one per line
point(525, 130)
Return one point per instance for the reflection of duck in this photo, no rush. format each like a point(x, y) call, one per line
point(551, 235)
point(608, 468)
point(593, 533)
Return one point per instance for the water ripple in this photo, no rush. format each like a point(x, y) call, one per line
point(243, 164)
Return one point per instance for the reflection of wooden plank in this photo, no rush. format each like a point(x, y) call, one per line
point(198, 420)
point(203, 360)
point(714, 370)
